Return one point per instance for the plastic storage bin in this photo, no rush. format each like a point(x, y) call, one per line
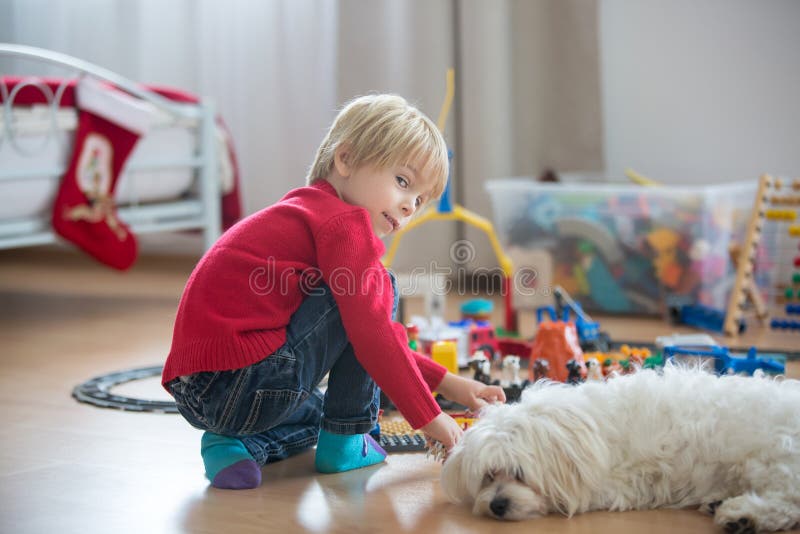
point(620, 248)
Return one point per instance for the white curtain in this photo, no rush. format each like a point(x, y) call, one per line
point(526, 96)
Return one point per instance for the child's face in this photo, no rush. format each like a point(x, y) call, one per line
point(391, 195)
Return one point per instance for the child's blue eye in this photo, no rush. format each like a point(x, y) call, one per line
point(418, 202)
point(402, 181)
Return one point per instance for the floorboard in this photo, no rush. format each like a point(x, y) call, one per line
point(70, 467)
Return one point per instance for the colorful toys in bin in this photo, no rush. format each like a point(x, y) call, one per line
point(664, 242)
point(618, 247)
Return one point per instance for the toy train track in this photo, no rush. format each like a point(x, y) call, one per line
point(97, 391)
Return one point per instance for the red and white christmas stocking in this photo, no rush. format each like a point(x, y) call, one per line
point(109, 125)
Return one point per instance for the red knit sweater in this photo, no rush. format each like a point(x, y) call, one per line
point(239, 299)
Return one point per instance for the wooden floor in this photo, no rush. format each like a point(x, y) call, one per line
point(70, 467)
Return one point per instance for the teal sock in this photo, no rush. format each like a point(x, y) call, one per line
point(228, 463)
point(343, 452)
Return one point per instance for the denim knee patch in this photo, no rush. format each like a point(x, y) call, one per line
point(269, 408)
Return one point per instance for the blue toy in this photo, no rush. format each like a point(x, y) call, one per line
point(784, 324)
point(725, 362)
point(477, 308)
point(549, 310)
point(753, 361)
point(703, 317)
point(589, 334)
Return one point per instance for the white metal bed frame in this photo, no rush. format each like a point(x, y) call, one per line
point(200, 212)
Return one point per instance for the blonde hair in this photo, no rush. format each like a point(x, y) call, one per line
point(384, 130)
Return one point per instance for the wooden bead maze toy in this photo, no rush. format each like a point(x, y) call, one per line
point(775, 215)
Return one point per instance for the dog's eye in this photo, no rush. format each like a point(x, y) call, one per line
point(519, 477)
point(488, 478)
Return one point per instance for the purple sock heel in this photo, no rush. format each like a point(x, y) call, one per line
point(244, 474)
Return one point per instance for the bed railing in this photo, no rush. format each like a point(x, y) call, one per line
point(200, 210)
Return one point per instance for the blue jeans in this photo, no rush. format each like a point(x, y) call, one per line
point(274, 405)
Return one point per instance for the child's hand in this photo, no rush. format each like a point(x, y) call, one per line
point(480, 395)
point(471, 393)
point(443, 429)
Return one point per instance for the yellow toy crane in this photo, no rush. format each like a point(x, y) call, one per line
point(446, 211)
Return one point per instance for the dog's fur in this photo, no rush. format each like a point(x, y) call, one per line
point(676, 438)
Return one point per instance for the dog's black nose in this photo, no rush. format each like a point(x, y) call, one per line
point(499, 506)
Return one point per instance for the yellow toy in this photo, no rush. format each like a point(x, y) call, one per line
point(446, 353)
point(640, 179)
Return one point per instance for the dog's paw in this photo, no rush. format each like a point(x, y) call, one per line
point(744, 525)
point(739, 515)
point(709, 508)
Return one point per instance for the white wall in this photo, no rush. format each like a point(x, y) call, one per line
point(704, 91)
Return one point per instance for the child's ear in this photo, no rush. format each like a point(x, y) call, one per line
point(341, 160)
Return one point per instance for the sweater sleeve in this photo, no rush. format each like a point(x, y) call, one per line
point(349, 261)
point(432, 372)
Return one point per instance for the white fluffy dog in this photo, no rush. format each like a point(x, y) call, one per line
point(730, 445)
